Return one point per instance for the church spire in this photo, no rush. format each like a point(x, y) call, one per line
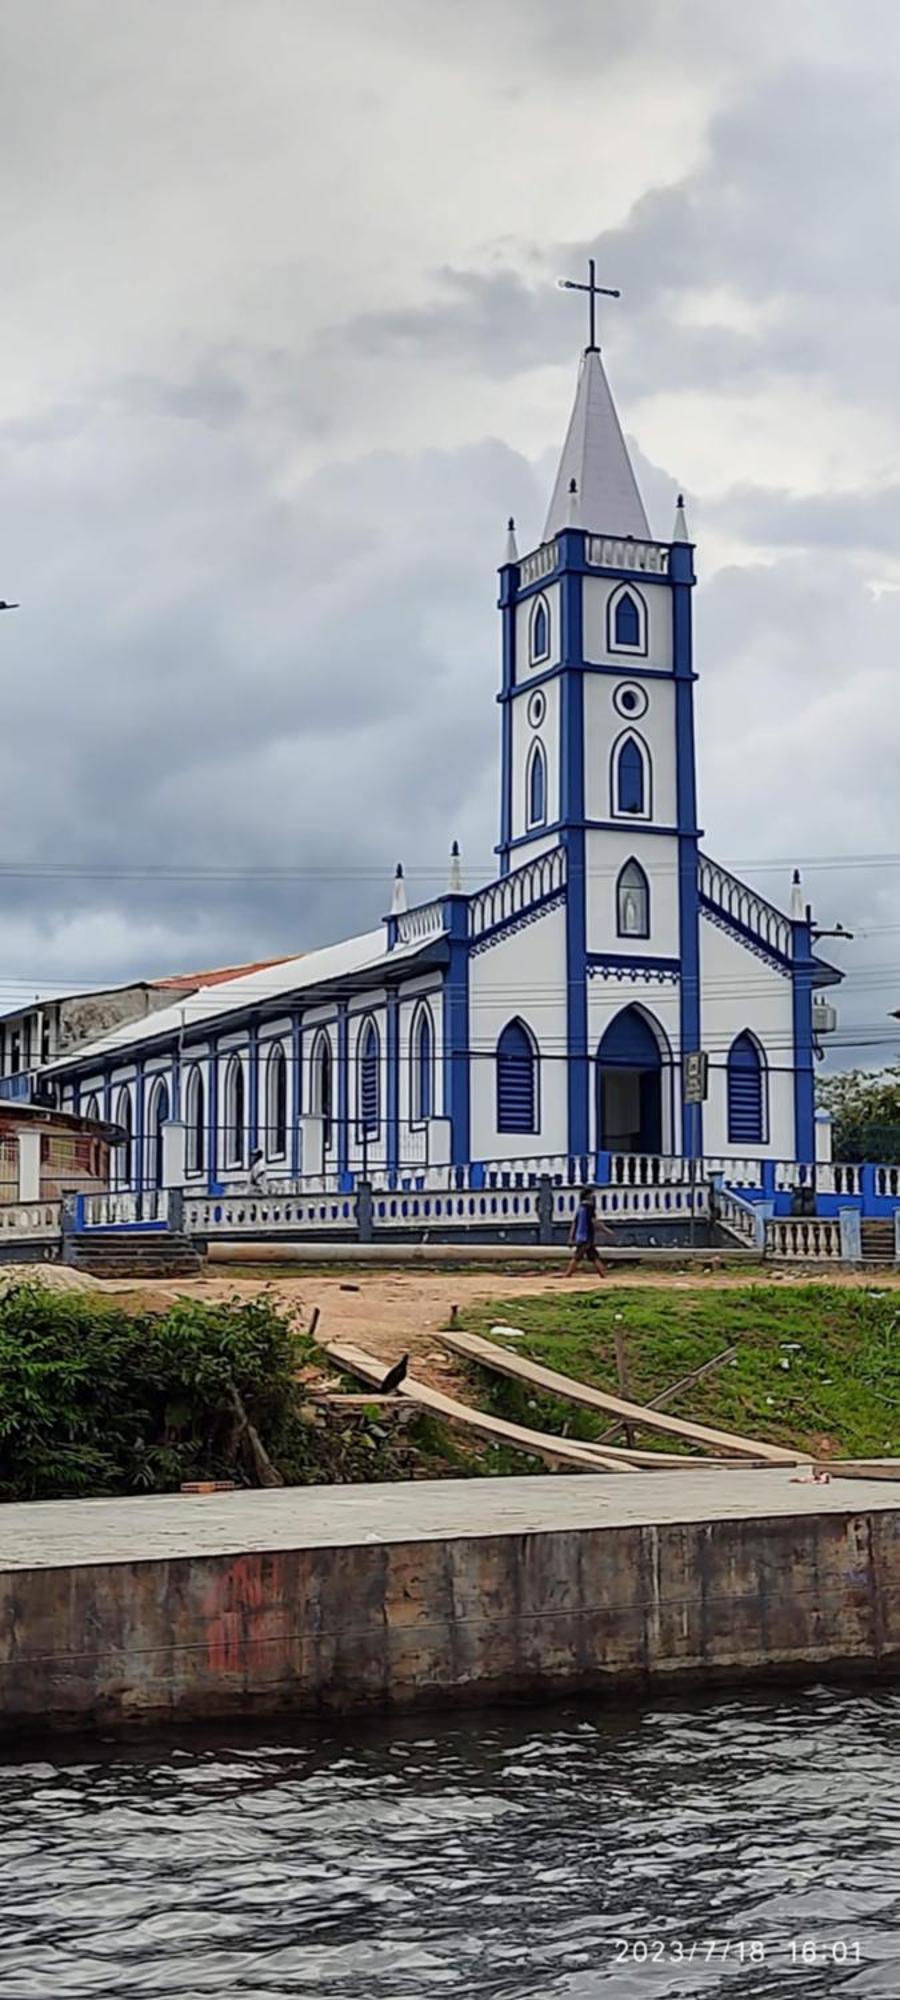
point(595, 456)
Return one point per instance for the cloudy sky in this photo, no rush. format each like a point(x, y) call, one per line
point(282, 348)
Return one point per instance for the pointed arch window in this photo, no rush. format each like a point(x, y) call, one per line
point(321, 1083)
point(368, 1091)
point(517, 1080)
point(195, 1121)
point(631, 777)
point(421, 1081)
point(540, 631)
point(124, 1116)
point(746, 1091)
point(536, 786)
point(276, 1103)
point(633, 901)
point(235, 1113)
point(627, 621)
point(90, 1107)
point(157, 1117)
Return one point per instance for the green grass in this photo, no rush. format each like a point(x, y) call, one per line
point(839, 1394)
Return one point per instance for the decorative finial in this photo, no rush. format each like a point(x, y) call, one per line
point(680, 530)
point(573, 500)
point(798, 911)
point(455, 870)
point(512, 553)
point(594, 292)
point(399, 903)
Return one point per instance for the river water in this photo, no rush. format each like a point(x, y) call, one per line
point(727, 1846)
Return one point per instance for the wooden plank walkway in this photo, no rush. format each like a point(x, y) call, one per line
point(488, 1355)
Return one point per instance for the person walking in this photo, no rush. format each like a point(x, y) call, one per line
point(583, 1234)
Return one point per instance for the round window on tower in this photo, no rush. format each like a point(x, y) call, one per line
point(537, 709)
point(630, 700)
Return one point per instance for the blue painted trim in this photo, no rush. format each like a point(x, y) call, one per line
point(508, 582)
point(296, 1098)
point(634, 670)
point(597, 826)
point(139, 1131)
point(536, 659)
point(392, 1081)
point(513, 922)
point(681, 571)
point(804, 1059)
point(642, 962)
point(343, 1088)
point(457, 1061)
point(212, 1114)
point(253, 1088)
point(393, 928)
point(743, 934)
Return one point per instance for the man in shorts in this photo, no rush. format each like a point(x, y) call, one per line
point(583, 1234)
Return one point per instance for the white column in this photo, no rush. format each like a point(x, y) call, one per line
point(29, 1143)
point(312, 1145)
point(173, 1153)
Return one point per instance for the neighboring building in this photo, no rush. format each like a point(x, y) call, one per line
point(45, 1153)
point(549, 1012)
point(59, 1024)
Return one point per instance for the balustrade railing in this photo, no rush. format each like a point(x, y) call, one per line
point(427, 920)
point(743, 1219)
point(644, 1169)
point(248, 1215)
point(541, 563)
point(617, 552)
point(733, 899)
point(517, 892)
point(36, 1221)
point(813, 1239)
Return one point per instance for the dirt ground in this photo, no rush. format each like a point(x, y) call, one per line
point(390, 1313)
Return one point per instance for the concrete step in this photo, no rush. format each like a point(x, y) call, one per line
point(162, 1254)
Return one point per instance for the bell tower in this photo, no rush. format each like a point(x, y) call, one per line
point(598, 737)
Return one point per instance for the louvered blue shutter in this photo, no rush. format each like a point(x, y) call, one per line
point(745, 1093)
point(368, 1082)
point(515, 1080)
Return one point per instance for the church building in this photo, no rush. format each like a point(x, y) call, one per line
point(559, 1012)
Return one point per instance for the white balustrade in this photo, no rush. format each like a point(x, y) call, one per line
point(542, 563)
point(648, 1170)
point(517, 892)
point(841, 1177)
point(122, 1209)
point(267, 1214)
point(490, 1208)
point(740, 1217)
point(733, 899)
point(610, 552)
point(425, 921)
point(887, 1180)
point(664, 1203)
point(801, 1239)
point(32, 1221)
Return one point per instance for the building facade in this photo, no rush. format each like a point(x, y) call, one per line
point(548, 1013)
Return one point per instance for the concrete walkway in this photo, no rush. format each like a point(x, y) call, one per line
point(54, 1534)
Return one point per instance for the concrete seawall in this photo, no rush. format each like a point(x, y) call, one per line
point(348, 1597)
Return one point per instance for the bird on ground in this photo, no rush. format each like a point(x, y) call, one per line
point(394, 1376)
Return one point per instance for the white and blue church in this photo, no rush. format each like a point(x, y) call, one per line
point(551, 1014)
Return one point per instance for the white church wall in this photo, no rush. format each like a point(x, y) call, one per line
point(526, 668)
point(604, 725)
point(657, 598)
point(606, 855)
point(413, 1136)
point(738, 991)
point(522, 977)
point(660, 1002)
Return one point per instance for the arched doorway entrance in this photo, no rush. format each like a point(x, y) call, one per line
point(157, 1117)
point(629, 1086)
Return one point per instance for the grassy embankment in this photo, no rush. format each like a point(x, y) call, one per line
point(817, 1366)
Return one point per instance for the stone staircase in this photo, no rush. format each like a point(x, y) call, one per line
point(877, 1239)
point(126, 1253)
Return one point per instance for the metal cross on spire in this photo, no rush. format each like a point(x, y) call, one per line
point(594, 292)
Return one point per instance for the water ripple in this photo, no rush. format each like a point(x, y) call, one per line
point(496, 1855)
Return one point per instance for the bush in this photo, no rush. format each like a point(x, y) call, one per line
point(95, 1400)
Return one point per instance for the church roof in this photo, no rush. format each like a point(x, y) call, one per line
point(606, 500)
point(212, 1003)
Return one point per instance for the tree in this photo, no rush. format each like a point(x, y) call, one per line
point(865, 1111)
